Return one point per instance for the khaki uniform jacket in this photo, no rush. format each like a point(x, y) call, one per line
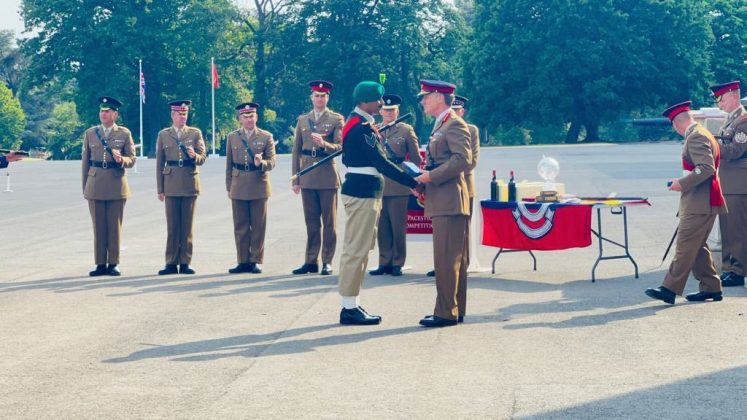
point(733, 139)
point(249, 185)
point(177, 181)
point(469, 175)
point(107, 183)
point(330, 127)
point(403, 141)
point(449, 149)
point(696, 186)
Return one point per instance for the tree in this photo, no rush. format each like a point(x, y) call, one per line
point(729, 26)
point(64, 132)
point(12, 62)
point(584, 63)
point(97, 43)
point(12, 119)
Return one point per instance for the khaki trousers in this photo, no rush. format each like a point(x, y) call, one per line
point(692, 253)
point(180, 212)
point(249, 226)
point(392, 235)
point(106, 216)
point(450, 256)
point(733, 226)
point(360, 238)
point(320, 211)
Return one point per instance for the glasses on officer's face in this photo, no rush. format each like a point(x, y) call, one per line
point(720, 99)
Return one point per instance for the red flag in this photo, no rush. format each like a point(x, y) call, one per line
point(216, 79)
point(535, 226)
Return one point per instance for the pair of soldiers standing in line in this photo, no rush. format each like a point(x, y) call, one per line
point(713, 185)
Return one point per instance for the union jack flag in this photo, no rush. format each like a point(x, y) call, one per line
point(142, 87)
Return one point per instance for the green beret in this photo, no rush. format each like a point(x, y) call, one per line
point(367, 92)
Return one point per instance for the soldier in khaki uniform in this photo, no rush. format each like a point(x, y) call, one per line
point(700, 201)
point(318, 134)
point(460, 108)
point(400, 143)
point(449, 155)
point(179, 151)
point(107, 150)
point(250, 154)
point(733, 176)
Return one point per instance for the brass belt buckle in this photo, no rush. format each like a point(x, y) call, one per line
point(313, 152)
point(181, 163)
point(246, 167)
point(104, 164)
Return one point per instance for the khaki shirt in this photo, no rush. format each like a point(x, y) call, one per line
point(733, 139)
point(177, 181)
point(469, 178)
point(403, 141)
point(107, 183)
point(449, 149)
point(696, 186)
point(249, 185)
point(329, 126)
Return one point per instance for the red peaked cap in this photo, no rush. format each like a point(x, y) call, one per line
point(676, 110)
point(429, 86)
point(181, 105)
point(719, 90)
point(247, 107)
point(322, 86)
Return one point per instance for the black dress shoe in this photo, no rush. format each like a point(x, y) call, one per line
point(256, 269)
point(326, 269)
point(436, 321)
point(241, 268)
point(724, 274)
point(358, 316)
point(100, 270)
point(431, 273)
point(396, 271)
point(732, 280)
point(307, 268)
point(113, 270)
point(703, 296)
point(661, 293)
point(383, 269)
point(185, 269)
point(169, 269)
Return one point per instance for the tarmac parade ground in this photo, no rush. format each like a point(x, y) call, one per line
point(535, 344)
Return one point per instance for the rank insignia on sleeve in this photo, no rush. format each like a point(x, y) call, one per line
point(370, 140)
point(740, 137)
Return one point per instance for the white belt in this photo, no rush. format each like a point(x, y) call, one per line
point(365, 170)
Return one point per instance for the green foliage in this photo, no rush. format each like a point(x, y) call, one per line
point(584, 62)
point(12, 119)
point(98, 43)
point(729, 25)
point(64, 132)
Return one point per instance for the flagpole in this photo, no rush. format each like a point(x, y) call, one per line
point(212, 88)
point(140, 91)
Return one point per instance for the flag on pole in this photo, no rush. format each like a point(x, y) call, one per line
point(142, 88)
point(216, 79)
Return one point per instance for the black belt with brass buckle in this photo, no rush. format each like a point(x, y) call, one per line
point(314, 153)
point(247, 167)
point(181, 163)
point(104, 164)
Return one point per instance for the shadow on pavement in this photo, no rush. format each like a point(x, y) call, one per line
point(261, 345)
point(700, 397)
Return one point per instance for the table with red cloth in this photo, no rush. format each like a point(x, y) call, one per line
point(530, 226)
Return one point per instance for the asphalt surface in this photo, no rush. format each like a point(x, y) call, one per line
point(536, 344)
